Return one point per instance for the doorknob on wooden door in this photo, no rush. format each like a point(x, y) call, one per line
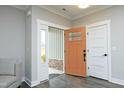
point(84, 57)
point(84, 53)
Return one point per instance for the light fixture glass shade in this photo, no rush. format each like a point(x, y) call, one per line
point(83, 6)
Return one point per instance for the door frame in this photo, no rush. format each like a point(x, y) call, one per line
point(81, 29)
point(108, 23)
point(44, 27)
point(42, 22)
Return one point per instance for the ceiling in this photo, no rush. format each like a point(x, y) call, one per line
point(72, 12)
point(21, 7)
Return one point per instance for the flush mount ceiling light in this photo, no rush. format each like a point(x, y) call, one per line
point(83, 6)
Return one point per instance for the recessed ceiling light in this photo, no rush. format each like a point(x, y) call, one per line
point(83, 6)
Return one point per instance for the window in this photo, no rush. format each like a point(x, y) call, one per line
point(74, 36)
point(43, 46)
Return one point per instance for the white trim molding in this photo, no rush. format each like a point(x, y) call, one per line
point(28, 81)
point(39, 27)
point(34, 83)
point(107, 22)
point(46, 23)
point(31, 83)
point(51, 24)
point(117, 81)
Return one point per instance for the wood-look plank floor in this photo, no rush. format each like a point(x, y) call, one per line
point(68, 81)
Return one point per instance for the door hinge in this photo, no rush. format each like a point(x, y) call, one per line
point(87, 33)
point(88, 67)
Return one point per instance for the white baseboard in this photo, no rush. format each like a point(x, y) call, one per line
point(117, 81)
point(34, 83)
point(31, 83)
point(28, 81)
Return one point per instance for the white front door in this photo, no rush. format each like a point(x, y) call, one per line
point(97, 40)
point(43, 53)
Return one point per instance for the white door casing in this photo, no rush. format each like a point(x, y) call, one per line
point(45, 24)
point(42, 67)
point(99, 50)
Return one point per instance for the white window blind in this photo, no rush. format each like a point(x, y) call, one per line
point(56, 48)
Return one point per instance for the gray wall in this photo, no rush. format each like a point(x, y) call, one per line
point(28, 46)
point(40, 13)
point(12, 33)
point(116, 14)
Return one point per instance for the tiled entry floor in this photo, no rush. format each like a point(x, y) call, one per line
point(55, 71)
point(68, 81)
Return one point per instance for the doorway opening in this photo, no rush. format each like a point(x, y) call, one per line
point(56, 51)
point(50, 52)
point(50, 42)
point(75, 48)
point(42, 52)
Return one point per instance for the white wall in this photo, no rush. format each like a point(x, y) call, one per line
point(12, 33)
point(40, 13)
point(116, 14)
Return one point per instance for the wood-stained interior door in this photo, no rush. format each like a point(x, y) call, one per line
point(75, 51)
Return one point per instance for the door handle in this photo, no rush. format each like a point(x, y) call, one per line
point(84, 53)
point(84, 57)
point(105, 55)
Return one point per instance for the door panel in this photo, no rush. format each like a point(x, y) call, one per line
point(43, 54)
point(71, 58)
point(97, 44)
point(75, 44)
